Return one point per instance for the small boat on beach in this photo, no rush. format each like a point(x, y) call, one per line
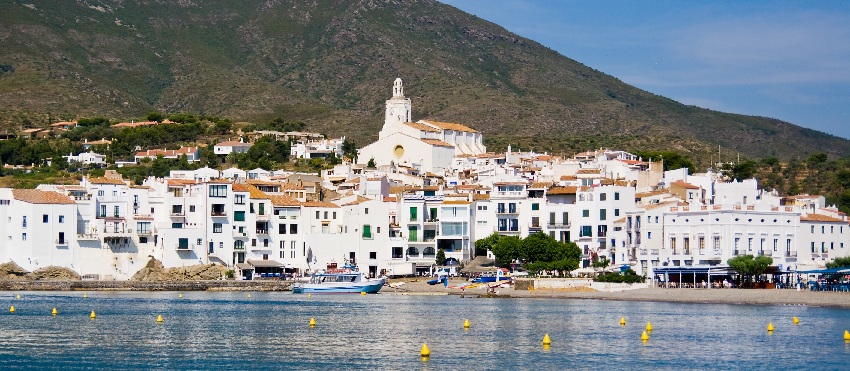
point(347, 282)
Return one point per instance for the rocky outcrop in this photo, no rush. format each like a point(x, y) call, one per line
point(54, 273)
point(155, 271)
point(12, 272)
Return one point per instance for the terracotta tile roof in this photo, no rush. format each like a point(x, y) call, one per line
point(663, 204)
point(35, 196)
point(435, 142)
point(262, 182)
point(481, 197)
point(359, 200)
point(256, 194)
point(241, 187)
point(621, 220)
point(651, 193)
point(281, 200)
point(450, 126)
point(320, 204)
point(568, 177)
point(106, 181)
point(508, 183)
point(820, 218)
point(622, 183)
point(684, 185)
point(141, 123)
point(143, 217)
point(589, 171)
point(290, 186)
point(167, 152)
point(233, 143)
point(397, 189)
point(562, 190)
point(631, 162)
point(540, 185)
point(456, 202)
point(390, 199)
point(422, 127)
point(180, 182)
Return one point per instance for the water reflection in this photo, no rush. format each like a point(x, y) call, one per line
point(270, 330)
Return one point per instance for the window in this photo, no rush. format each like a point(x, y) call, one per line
point(566, 218)
point(585, 213)
point(775, 244)
point(367, 231)
point(183, 244)
point(293, 229)
point(334, 214)
point(411, 233)
point(191, 208)
point(117, 210)
point(239, 199)
point(413, 212)
point(103, 211)
point(24, 224)
point(616, 212)
point(262, 208)
point(44, 218)
point(216, 227)
point(648, 235)
point(365, 211)
point(373, 255)
point(535, 206)
point(512, 207)
point(603, 214)
point(199, 242)
point(100, 193)
point(586, 231)
point(326, 215)
point(143, 240)
point(177, 225)
point(317, 214)
point(281, 228)
point(482, 207)
point(673, 244)
point(616, 196)
point(239, 216)
point(603, 196)
point(24, 237)
point(218, 190)
point(143, 227)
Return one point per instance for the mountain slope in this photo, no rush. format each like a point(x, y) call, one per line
point(331, 64)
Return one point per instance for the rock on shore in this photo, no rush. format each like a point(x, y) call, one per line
point(13, 272)
point(155, 271)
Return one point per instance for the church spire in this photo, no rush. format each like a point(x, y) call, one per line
point(398, 88)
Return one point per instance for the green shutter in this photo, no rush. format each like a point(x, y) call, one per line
point(239, 216)
point(413, 211)
point(367, 231)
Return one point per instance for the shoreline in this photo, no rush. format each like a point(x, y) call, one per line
point(419, 287)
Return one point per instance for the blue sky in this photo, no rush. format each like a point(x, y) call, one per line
point(788, 60)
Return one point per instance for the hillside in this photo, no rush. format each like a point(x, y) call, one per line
point(331, 65)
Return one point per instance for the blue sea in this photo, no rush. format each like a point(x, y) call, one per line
point(229, 331)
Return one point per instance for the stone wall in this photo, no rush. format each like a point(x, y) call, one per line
point(220, 285)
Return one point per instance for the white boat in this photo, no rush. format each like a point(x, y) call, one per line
point(352, 282)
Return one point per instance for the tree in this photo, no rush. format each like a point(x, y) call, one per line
point(441, 257)
point(155, 116)
point(601, 263)
point(839, 262)
point(748, 266)
point(371, 163)
point(486, 243)
point(506, 250)
point(349, 149)
point(535, 247)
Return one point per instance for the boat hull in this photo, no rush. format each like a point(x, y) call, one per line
point(369, 287)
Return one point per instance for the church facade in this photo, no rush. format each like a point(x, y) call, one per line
point(425, 145)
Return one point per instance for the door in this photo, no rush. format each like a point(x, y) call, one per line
point(373, 271)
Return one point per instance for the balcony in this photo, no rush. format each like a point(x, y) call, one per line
point(180, 247)
point(824, 256)
point(87, 237)
point(218, 213)
point(115, 232)
point(507, 232)
point(61, 242)
point(506, 212)
point(431, 221)
point(790, 254)
point(177, 213)
point(144, 232)
point(765, 253)
point(558, 225)
point(653, 252)
point(262, 231)
point(535, 227)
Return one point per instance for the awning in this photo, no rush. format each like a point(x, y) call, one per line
point(244, 266)
point(265, 264)
point(841, 270)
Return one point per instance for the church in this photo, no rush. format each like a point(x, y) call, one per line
point(425, 145)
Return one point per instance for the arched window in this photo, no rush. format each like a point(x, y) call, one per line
point(581, 197)
point(430, 251)
point(412, 251)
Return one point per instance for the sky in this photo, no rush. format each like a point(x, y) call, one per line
point(788, 60)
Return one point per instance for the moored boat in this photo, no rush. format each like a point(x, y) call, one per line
point(348, 282)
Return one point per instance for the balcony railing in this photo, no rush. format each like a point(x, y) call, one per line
point(177, 213)
point(62, 242)
point(790, 254)
point(144, 232)
point(262, 231)
point(87, 236)
point(653, 252)
point(534, 226)
point(558, 225)
point(218, 213)
point(506, 212)
point(180, 247)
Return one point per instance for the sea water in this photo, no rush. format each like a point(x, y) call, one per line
point(229, 330)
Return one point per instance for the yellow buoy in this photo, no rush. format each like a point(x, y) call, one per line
point(159, 319)
point(309, 296)
point(622, 321)
point(796, 320)
point(466, 324)
point(546, 346)
point(425, 352)
point(770, 327)
point(312, 322)
point(846, 335)
point(12, 309)
point(54, 312)
point(249, 296)
point(181, 296)
point(649, 327)
point(546, 340)
point(363, 293)
point(85, 296)
point(644, 336)
point(18, 297)
point(92, 315)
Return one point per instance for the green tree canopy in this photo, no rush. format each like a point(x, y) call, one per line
point(748, 266)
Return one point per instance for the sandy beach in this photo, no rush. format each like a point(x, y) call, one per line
point(418, 286)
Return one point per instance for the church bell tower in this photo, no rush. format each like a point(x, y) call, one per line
point(398, 110)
